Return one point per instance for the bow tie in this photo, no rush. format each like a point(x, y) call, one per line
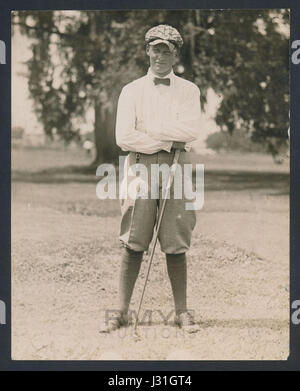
point(165, 81)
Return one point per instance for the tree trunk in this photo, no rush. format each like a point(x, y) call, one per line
point(98, 133)
point(106, 149)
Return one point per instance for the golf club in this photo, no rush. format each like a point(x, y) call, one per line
point(156, 232)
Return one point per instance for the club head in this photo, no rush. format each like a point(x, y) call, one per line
point(136, 336)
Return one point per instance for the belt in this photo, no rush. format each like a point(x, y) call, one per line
point(181, 149)
point(138, 154)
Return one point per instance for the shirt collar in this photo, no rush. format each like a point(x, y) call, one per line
point(151, 75)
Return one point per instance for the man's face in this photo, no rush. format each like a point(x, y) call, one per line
point(161, 58)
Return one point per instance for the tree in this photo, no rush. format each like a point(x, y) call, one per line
point(238, 141)
point(240, 54)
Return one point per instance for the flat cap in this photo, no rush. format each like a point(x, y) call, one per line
point(164, 33)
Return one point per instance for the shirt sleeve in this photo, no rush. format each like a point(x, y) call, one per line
point(186, 127)
point(127, 137)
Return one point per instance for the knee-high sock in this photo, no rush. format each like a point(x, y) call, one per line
point(177, 271)
point(130, 267)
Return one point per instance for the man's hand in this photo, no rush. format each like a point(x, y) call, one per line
point(178, 145)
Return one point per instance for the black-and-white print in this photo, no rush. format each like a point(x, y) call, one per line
point(150, 184)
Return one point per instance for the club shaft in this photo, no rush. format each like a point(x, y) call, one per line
point(156, 232)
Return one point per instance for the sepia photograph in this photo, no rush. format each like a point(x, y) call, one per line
point(150, 184)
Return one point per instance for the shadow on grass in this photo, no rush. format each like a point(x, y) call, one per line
point(244, 324)
point(278, 183)
point(66, 174)
point(215, 180)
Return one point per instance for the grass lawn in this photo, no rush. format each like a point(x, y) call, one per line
point(66, 255)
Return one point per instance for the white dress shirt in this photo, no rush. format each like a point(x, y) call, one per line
point(150, 117)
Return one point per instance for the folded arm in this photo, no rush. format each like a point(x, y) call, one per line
point(186, 127)
point(127, 137)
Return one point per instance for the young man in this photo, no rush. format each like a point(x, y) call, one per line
point(156, 114)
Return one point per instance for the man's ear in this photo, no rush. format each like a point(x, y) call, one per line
point(175, 57)
point(147, 50)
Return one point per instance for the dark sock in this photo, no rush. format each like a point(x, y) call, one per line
point(130, 267)
point(177, 271)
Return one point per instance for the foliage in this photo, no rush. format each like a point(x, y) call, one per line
point(81, 60)
point(17, 132)
point(239, 141)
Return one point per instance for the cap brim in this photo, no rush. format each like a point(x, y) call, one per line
point(157, 41)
